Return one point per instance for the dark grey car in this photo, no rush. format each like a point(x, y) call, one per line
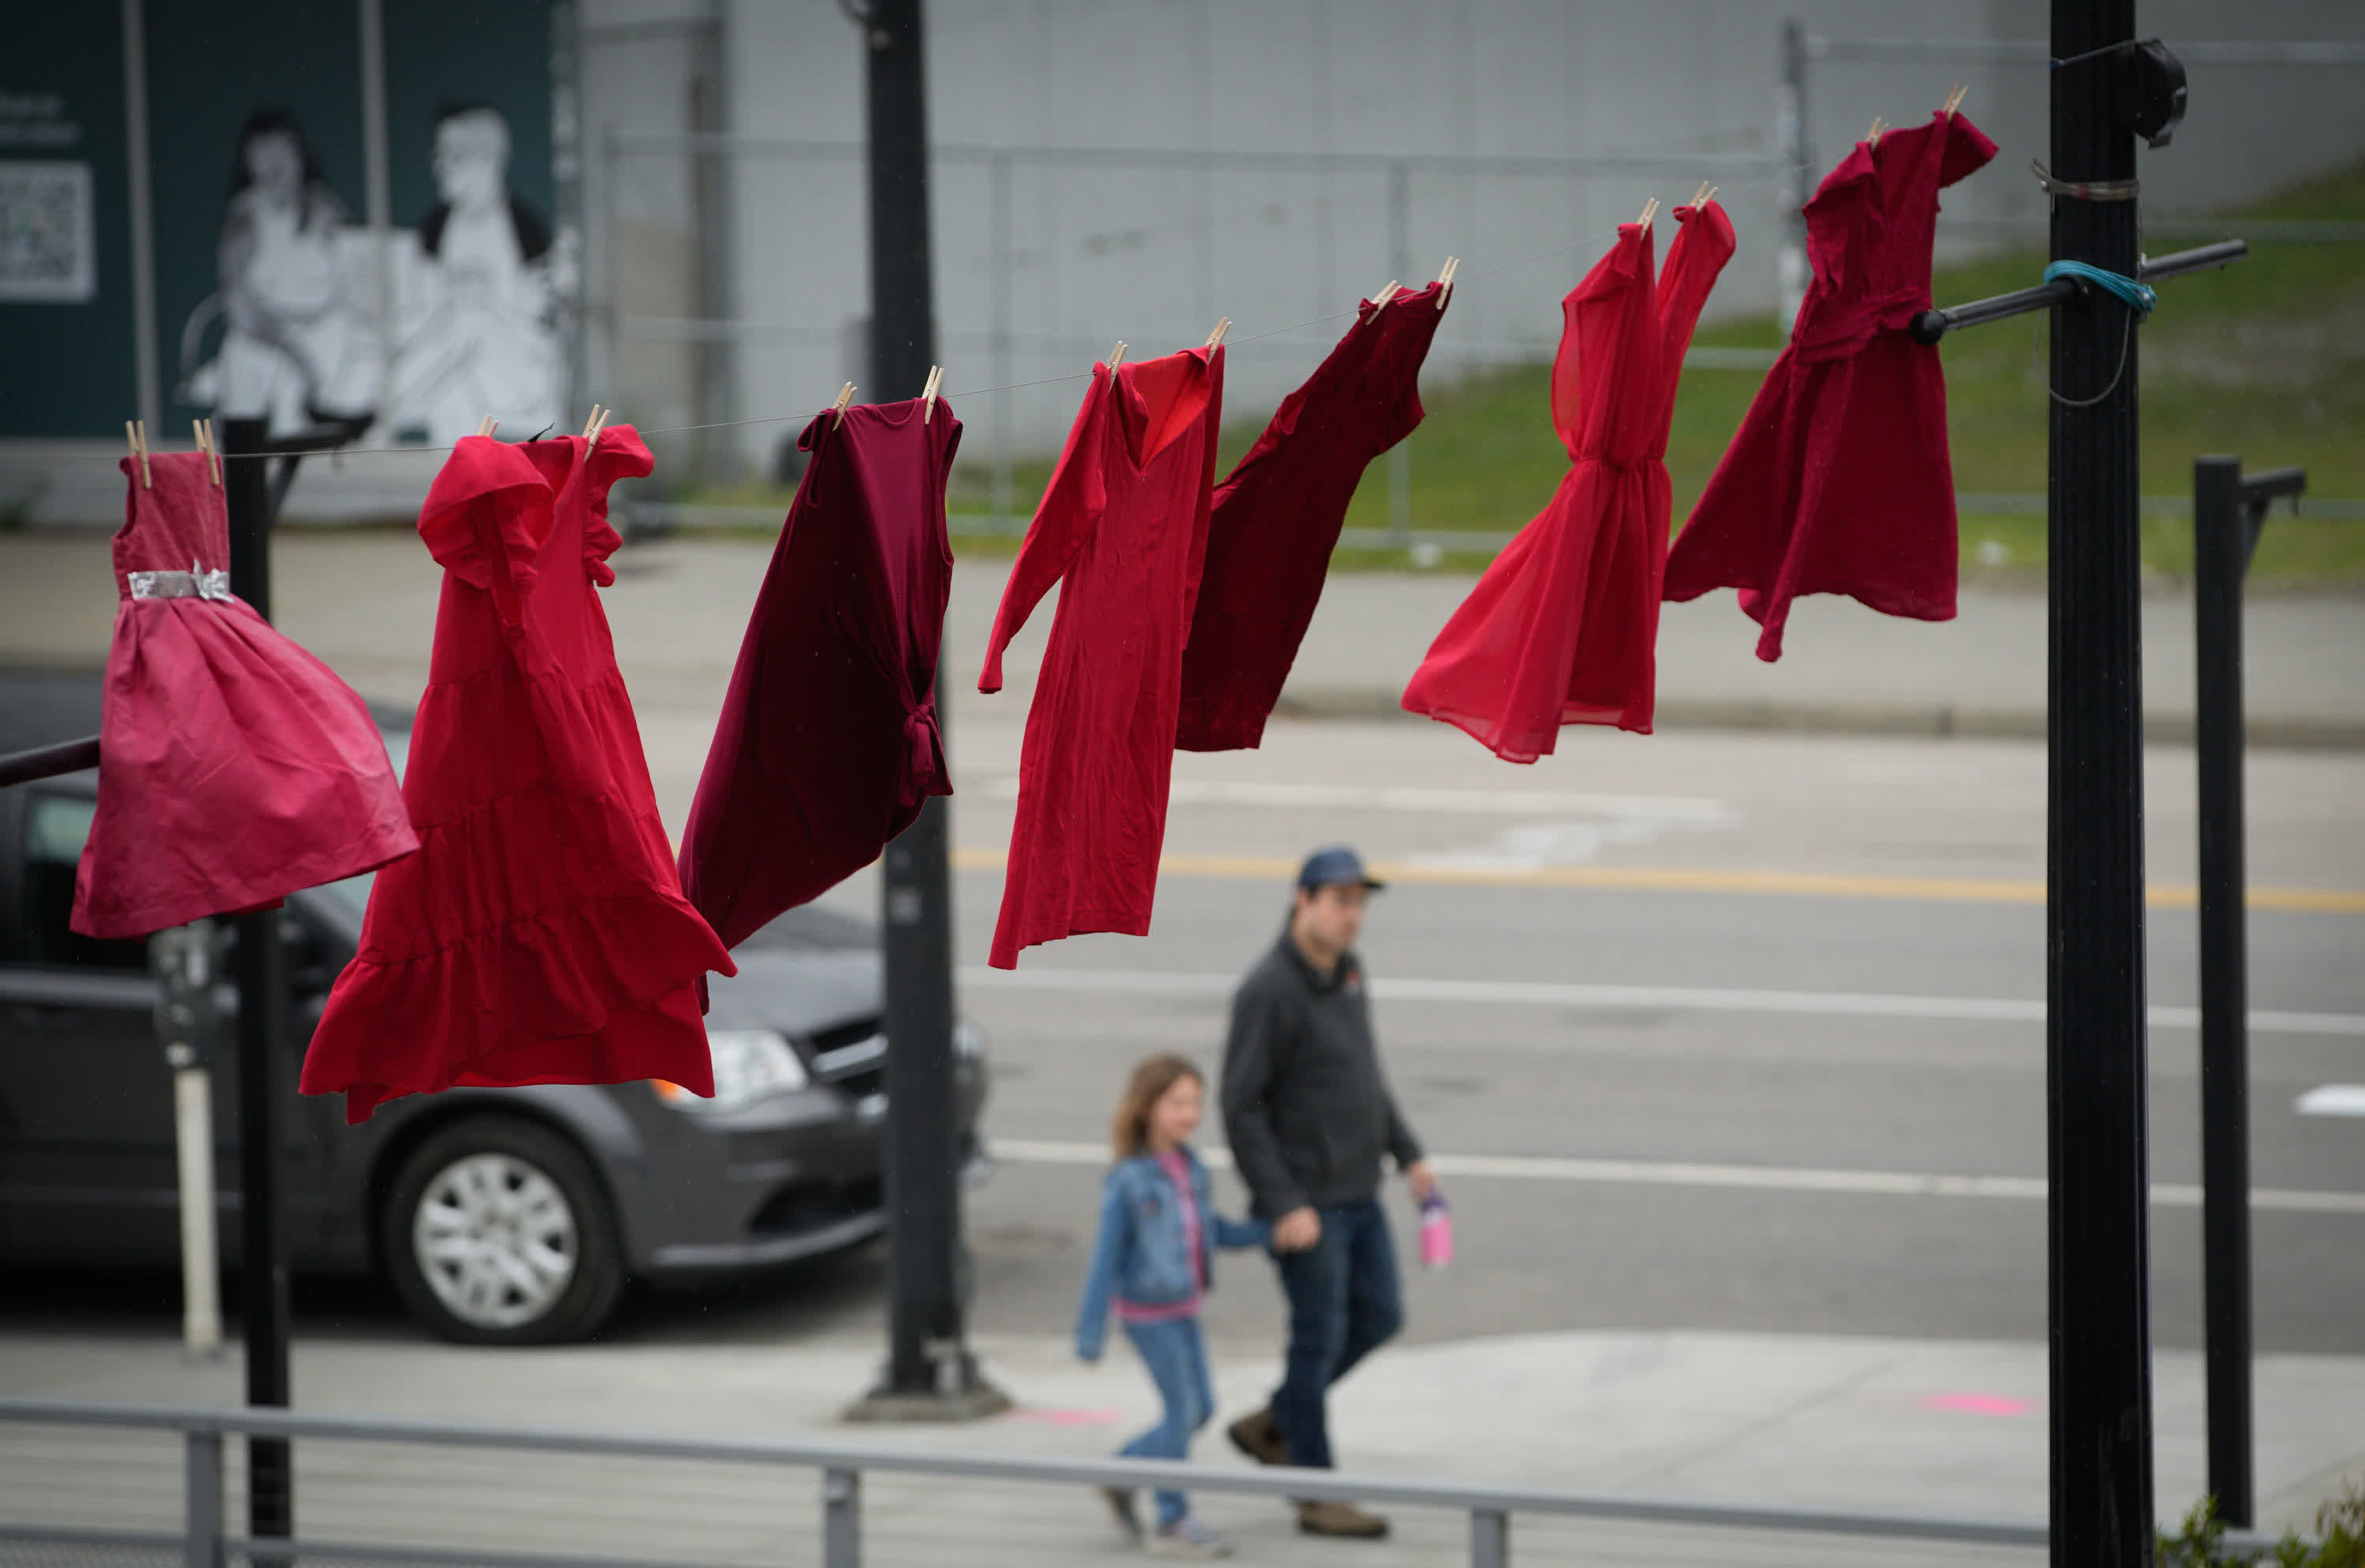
point(500, 1216)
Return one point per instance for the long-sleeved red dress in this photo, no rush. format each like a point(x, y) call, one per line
point(1276, 518)
point(828, 743)
point(1839, 480)
point(539, 935)
point(1561, 628)
point(235, 768)
point(1123, 528)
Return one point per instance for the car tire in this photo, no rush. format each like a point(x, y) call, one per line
point(497, 1231)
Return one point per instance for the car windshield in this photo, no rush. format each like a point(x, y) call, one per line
point(354, 892)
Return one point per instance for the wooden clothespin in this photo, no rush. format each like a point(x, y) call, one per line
point(1380, 301)
point(1223, 325)
point(845, 396)
point(487, 425)
point(203, 430)
point(928, 393)
point(592, 426)
point(1954, 99)
point(1116, 355)
point(1649, 211)
point(1872, 137)
point(1700, 196)
point(135, 436)
point(1445, 279)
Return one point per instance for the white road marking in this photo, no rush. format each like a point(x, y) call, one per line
point(1689, 809)
point(1651, 998)
point(1748, 1178)
point(2333, 1100)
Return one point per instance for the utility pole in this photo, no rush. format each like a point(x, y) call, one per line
point(930, 1373)
point(260, 974)
point(2098, 1195)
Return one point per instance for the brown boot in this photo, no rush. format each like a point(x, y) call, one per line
point(1342, 1520)
point(1258, 1436)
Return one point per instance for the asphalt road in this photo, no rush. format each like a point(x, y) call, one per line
point(1709, 1031)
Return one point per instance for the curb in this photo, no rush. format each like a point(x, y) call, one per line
point(2283, 731)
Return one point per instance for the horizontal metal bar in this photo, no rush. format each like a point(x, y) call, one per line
point(48, 761)
point(1334, 1485)
point(2017, 51)
point(363, 1552)
point(725, 143)
point(1932, 325)
point(106, 1540)
point(2270, 485)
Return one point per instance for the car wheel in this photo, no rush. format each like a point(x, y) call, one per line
point(496, 1231)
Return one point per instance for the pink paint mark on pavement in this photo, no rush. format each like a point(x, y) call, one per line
point(1978, 1404)
point(1068, 1417)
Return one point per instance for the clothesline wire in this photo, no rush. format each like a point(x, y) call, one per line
point(343, 451)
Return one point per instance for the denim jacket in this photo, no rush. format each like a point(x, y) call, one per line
point(1141, 1255)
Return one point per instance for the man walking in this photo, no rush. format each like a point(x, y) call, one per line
point(1309, 1116)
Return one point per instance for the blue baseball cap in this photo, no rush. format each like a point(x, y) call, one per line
point(1334, 868)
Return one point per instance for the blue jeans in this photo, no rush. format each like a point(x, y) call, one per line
point(1344, 1303)
point(1177, 1358)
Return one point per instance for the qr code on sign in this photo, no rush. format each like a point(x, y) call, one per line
point(47, 244)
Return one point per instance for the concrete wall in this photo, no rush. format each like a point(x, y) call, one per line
point(1153, 255)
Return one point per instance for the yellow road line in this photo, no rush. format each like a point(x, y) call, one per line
point(1676, 878)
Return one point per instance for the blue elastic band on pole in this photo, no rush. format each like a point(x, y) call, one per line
point(2142, 296)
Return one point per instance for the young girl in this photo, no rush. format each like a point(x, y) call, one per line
point(1158, 1228)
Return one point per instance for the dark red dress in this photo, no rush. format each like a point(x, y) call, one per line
point(828, 742)
point(1275, 520)
point(235, 768)
point(1562, 626)
point(1122, 528)
point(1839, 480)
point(539, 935)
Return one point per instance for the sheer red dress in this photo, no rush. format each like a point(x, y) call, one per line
point(1562, 627)
point(1123, 528)
point(235, 768)
point(1276, 519)
point(539, 935)
point(828, 743)
point(1839, 480)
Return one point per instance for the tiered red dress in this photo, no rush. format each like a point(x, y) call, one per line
point(235, 768)
point(1275, 520)
point(1123, 527)
point(1839, 480)
point(828, 742)
point(1562, 627)
point(539, 934)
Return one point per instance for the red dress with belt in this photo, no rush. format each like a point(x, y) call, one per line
point(235, 768)
point(1562, 627)
point(539, 935)
point(1276, 519)
point(828, 743)
point(1122, 528)
point(1839, 480)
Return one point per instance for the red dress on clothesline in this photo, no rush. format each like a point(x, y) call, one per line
point(828, 743)
point(1839, 480)
point(1562, 627)
point(1275, 520)
point(235, 768)
point(539, 935)
point(1122, 528)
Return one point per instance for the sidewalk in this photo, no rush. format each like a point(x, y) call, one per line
point(1892, 1425)
point(364, 601)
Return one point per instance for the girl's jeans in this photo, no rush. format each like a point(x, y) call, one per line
point(1177, 1358)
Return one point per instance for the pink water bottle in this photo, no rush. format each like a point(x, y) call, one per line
point(1436, 1231)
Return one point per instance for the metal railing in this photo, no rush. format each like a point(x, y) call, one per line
point(205, 1540)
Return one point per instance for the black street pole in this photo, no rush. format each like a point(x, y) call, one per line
point(260, 974)
point(2220, 555)
point(930, 1373)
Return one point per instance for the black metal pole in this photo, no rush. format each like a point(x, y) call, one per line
point(2098, 1218)
point(259, 972)
point(2220, 553)
point(929, 1370)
